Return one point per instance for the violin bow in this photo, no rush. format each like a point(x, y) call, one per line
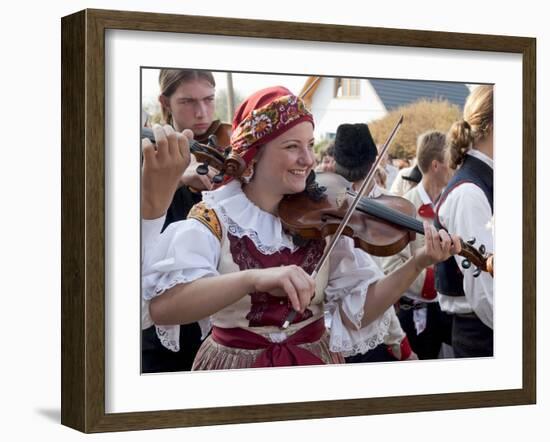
point(345, 220)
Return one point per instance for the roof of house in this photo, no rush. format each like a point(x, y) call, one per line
point(395, 93)
point(309, 88)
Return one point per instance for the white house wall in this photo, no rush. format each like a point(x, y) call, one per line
point(330, 112)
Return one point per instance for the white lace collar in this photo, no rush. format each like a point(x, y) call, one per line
point(242, 217)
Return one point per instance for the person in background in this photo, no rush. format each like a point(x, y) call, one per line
point(419, 312)
point(187, 100)
point(145, 119)
point(466, 208)
point(406, 179)
point(354, 155)
point(380, 177)
point(327, 160)
point(390, 170)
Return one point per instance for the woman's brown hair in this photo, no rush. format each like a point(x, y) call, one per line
point(476, 125)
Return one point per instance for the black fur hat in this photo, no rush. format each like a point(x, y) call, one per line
point(354, 151)
point(414, 175)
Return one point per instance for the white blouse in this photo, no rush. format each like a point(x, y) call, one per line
point(187, 250)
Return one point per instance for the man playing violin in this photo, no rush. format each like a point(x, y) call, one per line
point(230, 263)
point(187, 100)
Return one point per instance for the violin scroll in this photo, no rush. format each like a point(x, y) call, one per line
point(479, 257)
point(234, 165)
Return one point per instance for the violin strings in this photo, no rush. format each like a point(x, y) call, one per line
point(377, 209)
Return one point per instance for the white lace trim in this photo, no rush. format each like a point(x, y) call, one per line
point(169, 336)
point(352, 343)
point(351, 348)
point(180, 279)
point(241, 217)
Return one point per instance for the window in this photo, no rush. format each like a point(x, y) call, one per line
point(346, 87)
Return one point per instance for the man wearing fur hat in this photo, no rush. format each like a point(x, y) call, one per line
point(354, 155)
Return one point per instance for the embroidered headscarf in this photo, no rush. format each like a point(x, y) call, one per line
point(264, 116)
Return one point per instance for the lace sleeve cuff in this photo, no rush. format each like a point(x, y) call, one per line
point(352, 342)
point(185, 252)
point(352, 272)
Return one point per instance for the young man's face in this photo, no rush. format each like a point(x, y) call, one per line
point(192, 106)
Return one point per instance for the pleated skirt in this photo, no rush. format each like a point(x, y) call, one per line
point(214, 356)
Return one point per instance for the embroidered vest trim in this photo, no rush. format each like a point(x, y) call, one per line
point(206, 216)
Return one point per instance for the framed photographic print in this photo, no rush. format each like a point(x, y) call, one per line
point(107, 57)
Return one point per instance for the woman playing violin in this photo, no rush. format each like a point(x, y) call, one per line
point(466, 207)
point(231, 261)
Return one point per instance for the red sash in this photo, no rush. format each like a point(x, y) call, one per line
point(275, 354)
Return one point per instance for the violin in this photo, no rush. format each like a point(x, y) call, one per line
point(221, 159)
point(221, 132)
point(380, 226)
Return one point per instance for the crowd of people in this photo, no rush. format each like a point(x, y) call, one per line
point(221, 273)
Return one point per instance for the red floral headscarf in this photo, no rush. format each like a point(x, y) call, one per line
point(264, 116)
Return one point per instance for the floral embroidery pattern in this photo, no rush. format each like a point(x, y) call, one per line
point(260, 126)
point(206, 216)
point(267, 120)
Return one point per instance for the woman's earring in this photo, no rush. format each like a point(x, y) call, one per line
point(248, 173)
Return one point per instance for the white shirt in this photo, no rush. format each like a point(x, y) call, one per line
point(418, 197)
point(424, 197)
point(467, 213)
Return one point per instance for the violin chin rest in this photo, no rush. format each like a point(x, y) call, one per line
point(299, 241)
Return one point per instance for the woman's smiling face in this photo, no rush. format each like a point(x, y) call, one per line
point(285, 162)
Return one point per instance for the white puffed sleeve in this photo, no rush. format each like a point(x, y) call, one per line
point(350, 274)
point(184, 252)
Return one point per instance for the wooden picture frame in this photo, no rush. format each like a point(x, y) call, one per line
point(83, 219)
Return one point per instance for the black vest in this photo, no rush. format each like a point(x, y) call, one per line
point(181, 204)
point(448, 277)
